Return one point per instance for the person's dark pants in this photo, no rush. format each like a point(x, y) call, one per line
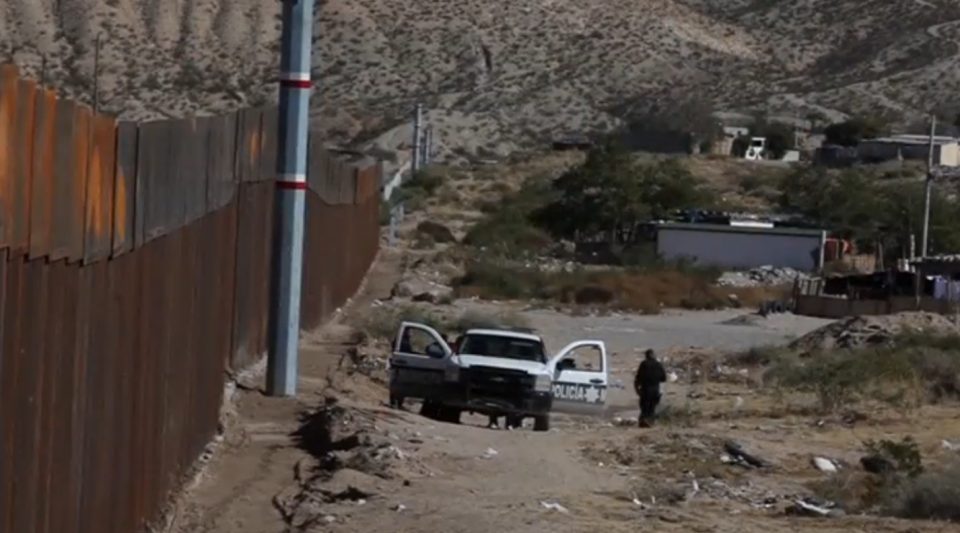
point(649, 400)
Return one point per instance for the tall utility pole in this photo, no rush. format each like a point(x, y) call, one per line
point(417, 138)
point(928, 188)
point(287, 260)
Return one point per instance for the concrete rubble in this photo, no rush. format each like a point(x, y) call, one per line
point(760, 276)
point(855, 332)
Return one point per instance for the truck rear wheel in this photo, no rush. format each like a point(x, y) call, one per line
point(450, 415)
point(541, 423)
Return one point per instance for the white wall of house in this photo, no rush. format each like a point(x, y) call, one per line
point(949, 155)
point(738, 249)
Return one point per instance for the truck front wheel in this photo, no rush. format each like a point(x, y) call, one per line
point(430, 409)
point(541, 423)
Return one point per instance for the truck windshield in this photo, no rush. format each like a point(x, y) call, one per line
point(503, 346)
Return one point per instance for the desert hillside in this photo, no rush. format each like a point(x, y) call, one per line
point(498, 76)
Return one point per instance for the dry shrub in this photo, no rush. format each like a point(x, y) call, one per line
point(651, 291)
point(854, 491)
point(934, 494)
point(912, 370)
point(931, 495)
point(645, 291)
point(382, 323)
point(473, 319)
point(757, 356)
point(435, 231)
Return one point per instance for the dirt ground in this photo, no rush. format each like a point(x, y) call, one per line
point(355, 465)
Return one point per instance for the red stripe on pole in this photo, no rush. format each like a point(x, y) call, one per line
point(292, 185)
point(296, 84)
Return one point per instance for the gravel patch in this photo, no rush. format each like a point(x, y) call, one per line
point(706, 329)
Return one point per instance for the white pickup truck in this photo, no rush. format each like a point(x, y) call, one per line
point(496, 372)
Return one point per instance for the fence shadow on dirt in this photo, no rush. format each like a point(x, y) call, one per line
point(134, 271)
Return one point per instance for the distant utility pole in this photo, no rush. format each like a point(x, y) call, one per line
point(928, 188)
point(43, 71)
point(417, 134)
point(296, 40)
point(425, 148)
point(96, 75)
point(428, 149)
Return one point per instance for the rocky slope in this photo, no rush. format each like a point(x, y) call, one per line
point(497, 76)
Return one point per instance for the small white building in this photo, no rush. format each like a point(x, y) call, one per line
point(735, 131)
point(946, 150)
point(741, 247)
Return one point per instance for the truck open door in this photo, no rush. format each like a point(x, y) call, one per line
point(417, 364)
point(580, 378)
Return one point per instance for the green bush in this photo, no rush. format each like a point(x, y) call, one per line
point(416, 191)
point(429, 179)
point(506, 235)
point(916, 368)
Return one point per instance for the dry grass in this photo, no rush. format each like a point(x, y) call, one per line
point(739, 184)
point(917, 369)
point(932, 494)
point(639, 291)
point(383, 322)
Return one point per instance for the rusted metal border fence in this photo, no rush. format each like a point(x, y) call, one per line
point(134, 269)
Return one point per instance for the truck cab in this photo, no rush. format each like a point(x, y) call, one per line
point(497, 372)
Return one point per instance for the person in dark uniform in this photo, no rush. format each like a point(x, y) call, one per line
point(650, 374)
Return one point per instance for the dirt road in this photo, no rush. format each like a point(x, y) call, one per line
point(355, 465)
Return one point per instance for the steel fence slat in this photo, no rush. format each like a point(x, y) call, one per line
point(27, 96)
point(41, 183)
point(125, 197)
point(269, 143)
point(9, 84)
point(99, 205)
point(61, 190)
point(11, 316)
point(75, 181)
point(28, 402)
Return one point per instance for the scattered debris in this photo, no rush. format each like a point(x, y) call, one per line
point(554, 506)
point(764, 275)
point(854, 332)
point(420, 290)
point(490, 453)
point(805, 508)
point(736, 453)
point(353, 460)
point(825, 465)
